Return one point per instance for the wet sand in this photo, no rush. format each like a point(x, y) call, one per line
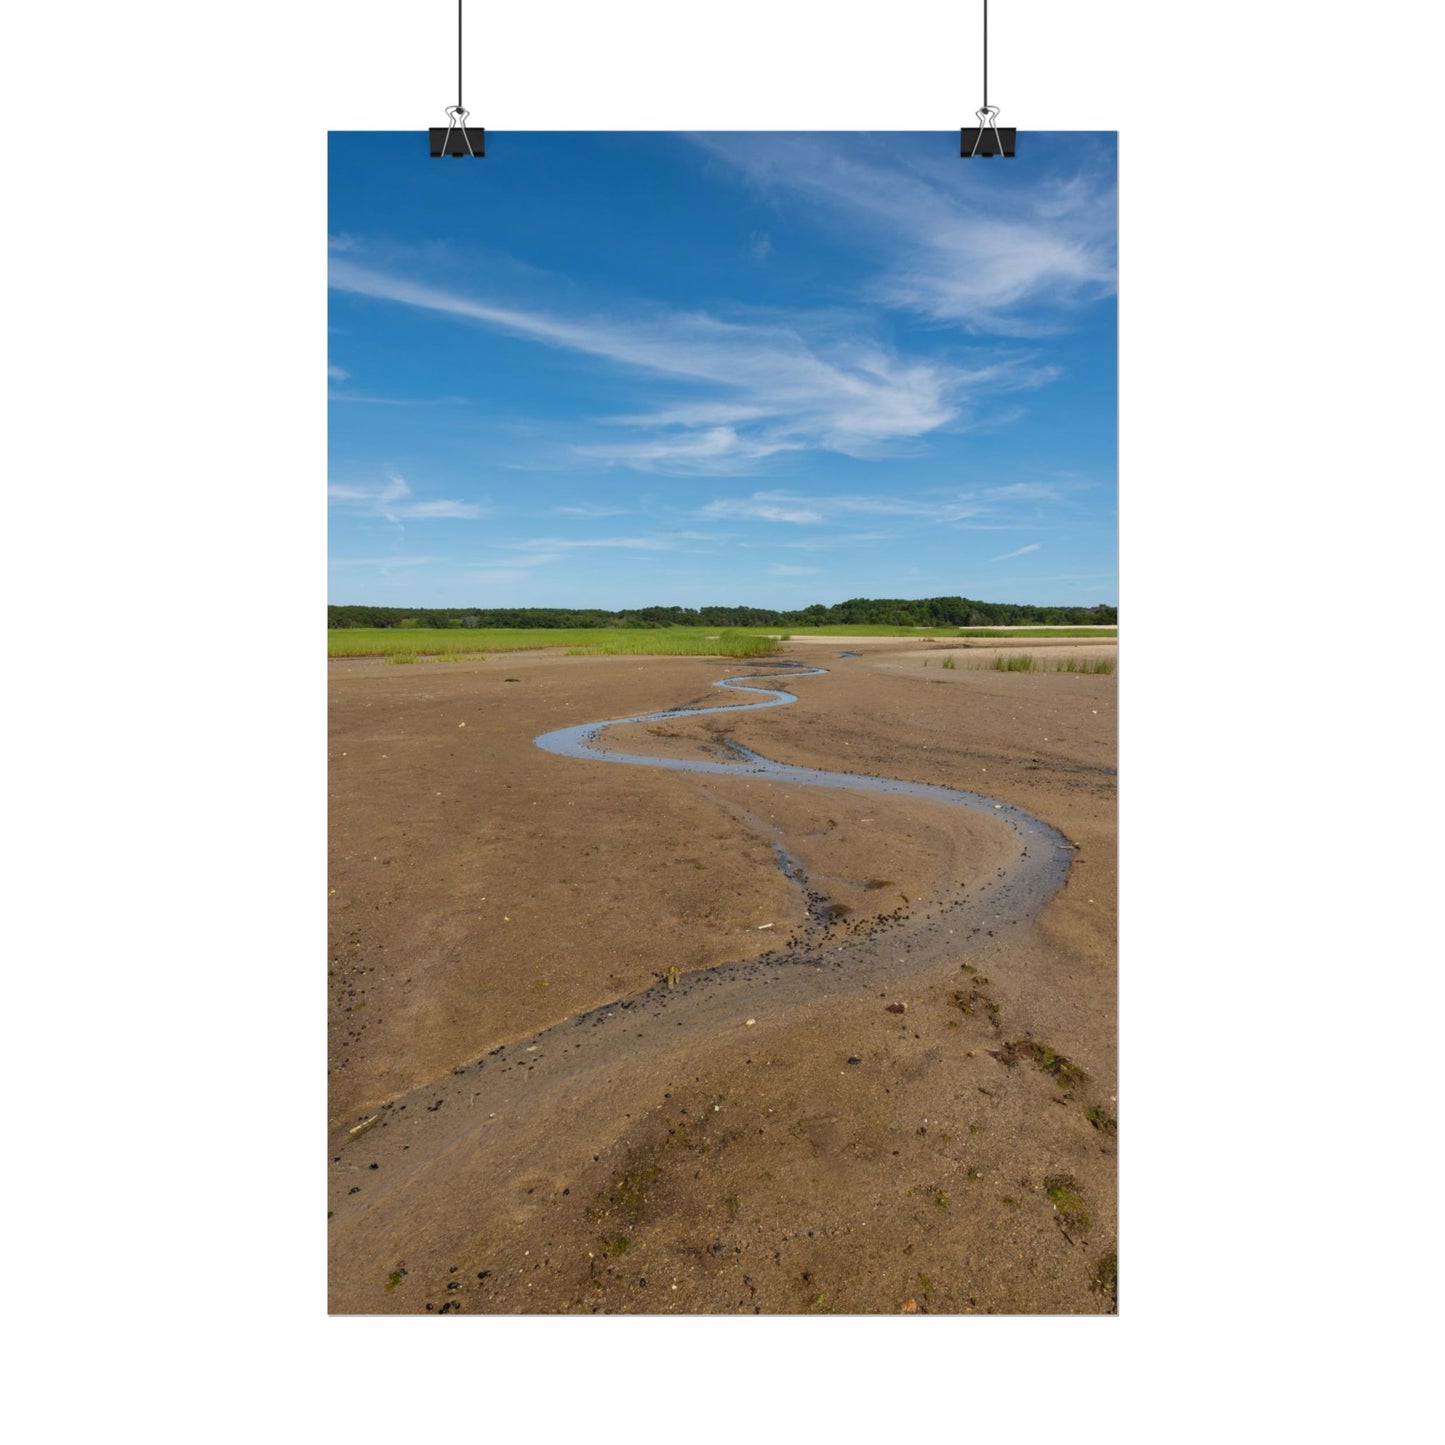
point(947, 1149)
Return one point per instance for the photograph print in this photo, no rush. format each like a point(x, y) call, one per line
point(722, 678)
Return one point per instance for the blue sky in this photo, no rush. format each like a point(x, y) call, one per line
point(615, 370)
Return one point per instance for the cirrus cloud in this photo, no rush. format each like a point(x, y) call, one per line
point(391, 502)
point(801, 382)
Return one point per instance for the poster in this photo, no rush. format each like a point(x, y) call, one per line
point(791, 996)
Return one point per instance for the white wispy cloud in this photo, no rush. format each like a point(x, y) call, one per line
point(817, 511)
point(521, 560)
point(558, 546)
point(764, 507)
point(532, 559)
point(442, 508)
point(588, 509)
point(1017, 552)
point(696, 413)
point(335, 373)
point(831, 540)
point(1024, 492)
point(770, 385)
point(717, 447)
point(391, 501)
point(397, 561)
point(992, 257)
point(523, 557)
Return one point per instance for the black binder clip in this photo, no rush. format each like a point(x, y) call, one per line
point(987, 139)
point(458, 139)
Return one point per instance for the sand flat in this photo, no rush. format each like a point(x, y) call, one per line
point(485, 892)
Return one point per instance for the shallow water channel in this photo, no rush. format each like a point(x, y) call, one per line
point(502, 1100)
point(821, 959)
point(889, 947)
point(1045, 850)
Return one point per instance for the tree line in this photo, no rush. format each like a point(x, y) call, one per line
point(876, 611)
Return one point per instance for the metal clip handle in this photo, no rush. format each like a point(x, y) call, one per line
point(458, 117)
point(987, 116)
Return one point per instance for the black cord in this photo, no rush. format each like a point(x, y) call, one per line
point(459, 54)
point(985, 53)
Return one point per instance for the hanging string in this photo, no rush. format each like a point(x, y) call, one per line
point(457, 114)
point(987, 114)
point(459, 53)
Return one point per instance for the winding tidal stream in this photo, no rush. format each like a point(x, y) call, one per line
point(822, 959)
point(883, 950)
point(1044, 857)
point(526, 1112)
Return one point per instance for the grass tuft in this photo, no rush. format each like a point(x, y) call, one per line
point(1106, 1279)
point(1063, 1192)
point(629, 1192)
point(1027, 662)
point(1064, 1072)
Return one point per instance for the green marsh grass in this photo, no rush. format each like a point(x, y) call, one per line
point(415, 644)
point(669, 642)
point(410, 644)
point(1026, 662)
